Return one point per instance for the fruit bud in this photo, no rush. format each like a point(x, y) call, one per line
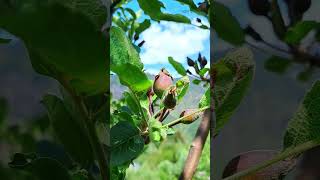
point(170, 100)
point(203, 62)
point(259, 7)
point(190, 62)
point(162, 82)
point(141, 43)
point(191, 118)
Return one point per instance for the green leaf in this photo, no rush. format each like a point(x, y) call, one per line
point(132, 104)
point(126, 143)
point(143, 26)
point(177, 66)
point(133, 77)
point(277, 64)
point(193, 7)
point(3, 110)
point(67, 130)
point(205, 99)
point(94, 9)
point(56, 49)
point(304, 126)
point(41, 168)
point(196, 81)
point(182, 86)
point(296, 33)
point(305, 75)
point(234, 75)
point(203, 71)
point(226, 25)
point(178, 18)
point(122, 51)
point(153, 9)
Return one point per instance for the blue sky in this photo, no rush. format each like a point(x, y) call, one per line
point(166, 39)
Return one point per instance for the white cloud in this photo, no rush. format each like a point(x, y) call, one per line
point(172, 39)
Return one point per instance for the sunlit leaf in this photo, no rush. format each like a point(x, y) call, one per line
point(177, 66)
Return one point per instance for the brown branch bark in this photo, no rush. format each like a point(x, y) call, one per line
point(196, 147)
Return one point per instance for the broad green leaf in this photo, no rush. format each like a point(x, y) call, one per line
point(277, 64)
point(153, 9)
point(70, 133)
point(304, 126)
point(3, 110)
point(226, 25)
point(133, 77)
point(40, 168)
point(177, 66)
point(46, 148)
point(126, 143)
point(56, 49)
point(94, 9)
point(296, 33)
point(122, 51)
point(143, 26)
point(234, 75)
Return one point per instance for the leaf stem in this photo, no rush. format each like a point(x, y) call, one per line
point(177, 121)
point(282, 156)
point(139, 105)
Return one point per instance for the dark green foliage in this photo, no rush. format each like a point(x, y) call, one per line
point(126, 143)
point(70, 132)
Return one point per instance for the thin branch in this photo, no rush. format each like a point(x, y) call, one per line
point(164, 111)
point(196, 147)
point(177, 121)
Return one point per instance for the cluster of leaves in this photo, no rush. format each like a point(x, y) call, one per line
point(65, 42)
point(292, 34)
